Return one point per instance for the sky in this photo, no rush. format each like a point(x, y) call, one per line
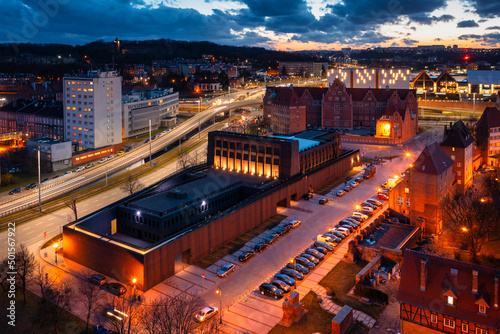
point(273, 24)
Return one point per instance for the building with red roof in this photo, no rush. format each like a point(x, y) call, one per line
point(488, 135)
point(439, 295)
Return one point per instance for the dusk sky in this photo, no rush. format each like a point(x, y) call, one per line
point(276, 24)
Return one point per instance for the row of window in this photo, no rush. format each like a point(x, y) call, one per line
point(247, 147)
point(450, 323)
point(253, 158)
point(400, 200)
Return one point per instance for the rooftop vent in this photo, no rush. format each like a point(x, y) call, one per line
point(176, 194)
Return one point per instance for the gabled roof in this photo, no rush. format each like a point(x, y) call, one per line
point(433, 160)
point(489, 119)
point(457, 136)
point(445, 74)
point(440, 278)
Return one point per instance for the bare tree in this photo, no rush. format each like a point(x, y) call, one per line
point(25, 266)
point(186, 159)
point(44, 281)
point(131, 185)
point(58, 301)
point(71, 203)
point(89, 296)
point(130, 310)
point(470, 218)
point(438, 247)
point(470, 123)
point(4, 269)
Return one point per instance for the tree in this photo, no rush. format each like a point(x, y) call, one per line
point(438, 247)
point(58, 301)
point(43, 281)
point(89, 296)
point(132, 308)
point(71, 203)
point(186, 159)
point(131, 185)
point(469, 219)
point(470, 123)
point(25, 266)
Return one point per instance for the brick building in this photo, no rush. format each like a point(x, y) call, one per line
point(291, 108)
point(41, 91)
point(419, 193)
point(458, 144)
point(488, 135)
point(439, 295)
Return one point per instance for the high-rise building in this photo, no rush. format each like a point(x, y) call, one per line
point(93, 109)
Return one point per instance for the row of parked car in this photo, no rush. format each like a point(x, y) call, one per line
point(259, 247)
point(301, 265)
point(350, 186)
point(158, 135)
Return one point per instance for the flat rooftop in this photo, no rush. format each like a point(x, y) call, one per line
point(388, 236)
point(304, 144)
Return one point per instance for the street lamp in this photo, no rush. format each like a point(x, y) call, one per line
point(294, 265)
point(219, 292)
point(134, 281)
point(358, 207)
point(408, 154)
point(39, 183)
point(150, 142)
point(464, 229)
point(55, 251)
point(199, 119)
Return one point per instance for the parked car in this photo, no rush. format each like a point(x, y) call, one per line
point(348, 224)
point(354, 184)
point(352, 220)
point(357, 218)
point(153, 138)
point(97, 279)
point(370, 205)
point(110, 157)
point(322, 250)
point(359, 179)
point(116, 288)
point(260, 247)
point(348, 188)
point(366, 211)
point(326, 239)
point(374, 202)
point(245, 256)
point(383, 196)
point(120, 153)
point(302, 261)
point(271, 290)
point(294, 223)
point(103, 160)
point(323, 201)
point(226, 270)
point(285, 278)
point(79, 169)
point(89, 165)
point(325, 245)
point(55, 177)
point(307, 196)
point(128, 149)
point(44, 180)
point(147, 141)
point(281, 285)
point(283, 229)
point(206, 313)
point(335, 236)
point(320, 256)
point(15, 191)
point(30, 186)
point(344, 230)
point(362, 215)
point(292, 273)
point(299, 267)
point(340, 192)
point(271, 238)
point(310, 258)
point(67, 173)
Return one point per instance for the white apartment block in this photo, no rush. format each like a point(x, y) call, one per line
point(93, 109)
point(141, 106)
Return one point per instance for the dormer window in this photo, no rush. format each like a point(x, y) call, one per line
point(450, 300)
point(482, 309)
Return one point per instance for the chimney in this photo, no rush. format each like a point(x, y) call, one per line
point(475, 274)
point(495, 298)
point(423, 272)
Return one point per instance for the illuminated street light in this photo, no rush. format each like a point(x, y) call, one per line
point(219, 292)
point(411, 165)
point(358, 207)
point(408, 154)
point(55, 251)
point(464, 229)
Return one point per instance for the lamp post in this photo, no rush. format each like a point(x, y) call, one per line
point(294, 264)
point(39, 183)
point(150, 142)
point(55, 251)
point(219, 292)
point(229, 97)
point(199, 119)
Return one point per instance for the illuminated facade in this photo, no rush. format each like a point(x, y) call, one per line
point(488, 135)
point(93, 109)
point(395, 78)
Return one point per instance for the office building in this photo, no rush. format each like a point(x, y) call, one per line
point(392, 78)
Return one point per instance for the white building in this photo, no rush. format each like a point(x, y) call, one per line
point(392, 78)
point(93, 109)
point(141, 106)
point(54, 154)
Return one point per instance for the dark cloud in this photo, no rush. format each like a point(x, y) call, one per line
point(493, 28)
point(426, 19)
point(486, 8)
point(491, 39)
point(467, 24)
point(437, 39)
point(409, 42)
point(266, 8)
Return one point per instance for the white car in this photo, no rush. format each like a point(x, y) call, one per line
point(374, 201)
point(359, 214)
point(79, 169)
point(345, 231)
point(103, 160)
point(206, 313)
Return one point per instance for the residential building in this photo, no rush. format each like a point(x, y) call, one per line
point(34, 118)
point(458, 144)
point(54, 154)
point(206, 86)
point(139, 107)
point(303, 68)
point(41, 91)
point(397, 78)
point(93, 109)
point(488, 135)
point(420, 193)
point(440, 295)
point(286, 110)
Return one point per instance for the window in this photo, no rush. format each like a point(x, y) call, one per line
point(434, 318)
point(465, 328)
point(481, 331)
point(408, 201)
point(452, 157)
point(407, 190)
point(482, 309)
point(449, 322)
point(400, 200)
point(449, 300)
point(459, 164)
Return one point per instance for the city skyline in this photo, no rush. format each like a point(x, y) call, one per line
point(290, 25)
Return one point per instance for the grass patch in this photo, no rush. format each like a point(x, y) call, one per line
point(341, 279)
point(52, 240)
point(28, 319)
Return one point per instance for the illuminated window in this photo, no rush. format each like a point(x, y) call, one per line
point(79, 115)
point(74, 128)
point(68, 107)
point(80, 129)
point(72, 82)
point(482, 309)
point(434, 318)
point(449, 323)
point(465, 328)
point(73, 95)
point(74, 108)
point(449, 300)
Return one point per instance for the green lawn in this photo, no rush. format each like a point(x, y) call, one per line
point(28, 320)
point(342, 279)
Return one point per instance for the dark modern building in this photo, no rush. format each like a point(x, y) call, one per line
point(187, 216)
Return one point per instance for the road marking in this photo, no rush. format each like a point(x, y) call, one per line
point(113, 193)
point(51, 218)
point(84, 205)
point(95, 201)
point(39, 223)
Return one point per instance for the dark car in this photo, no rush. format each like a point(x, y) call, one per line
point(271, 290)
point(320, 256)
point(352, 220)
point(15, 191)
point(285, 278)
point(116, 288)
point(281, 285)
point(97, 279)
point(307, 196)
point(271, 238)
point(245, 256)
point(348, 188)
point(324, 245)
point(89, 165)
point(370, 205)
point(44, 180)
point(292, 273)
point(359, 179)
point(260, 247)
point(303, 261)
point(348, 224)
point(323, 201)
point(226, 270)
point(310, 258)
point(336, 236)
point(30, 186)
point(55, 177)
point(294, 223)
point(358, 218)
point(322, 250)
point(147, 141)
point(297, 266)
point(366, 211)
point(340, 192)
point(283, 229)
point(128, 149)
